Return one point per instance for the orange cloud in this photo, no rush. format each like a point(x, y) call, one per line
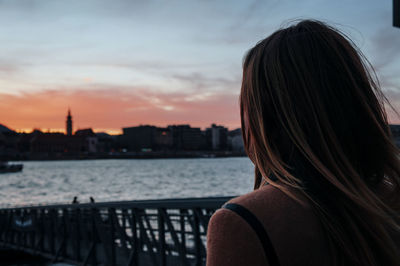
point(112, 109)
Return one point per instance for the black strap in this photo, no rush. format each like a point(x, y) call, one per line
point(252, 220)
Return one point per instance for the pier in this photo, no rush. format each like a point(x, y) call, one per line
point(146, 232)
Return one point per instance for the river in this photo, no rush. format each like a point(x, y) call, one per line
point(48, 182)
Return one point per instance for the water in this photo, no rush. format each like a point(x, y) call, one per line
point(44, 182)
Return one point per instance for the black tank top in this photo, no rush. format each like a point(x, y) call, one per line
point(258, 228)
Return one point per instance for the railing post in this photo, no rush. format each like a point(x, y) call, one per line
point(161, 237)
point(9, 233)
point(42, 230)
point(18, 233)
point(111, 213)
point(3, 218)
point(63, 246)
point(51, 231)
point(77, 235)
point(135, 239)
point(94, 237)
point(183, 213)
point(197, 239)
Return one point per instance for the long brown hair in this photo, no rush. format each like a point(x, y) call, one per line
point(313, 120)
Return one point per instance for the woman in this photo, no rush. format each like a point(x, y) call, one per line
point(327, 173)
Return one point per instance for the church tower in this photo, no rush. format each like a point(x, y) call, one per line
point(69, 123)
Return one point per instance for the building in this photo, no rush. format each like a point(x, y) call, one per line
point(90, 138)
point(140, 138)
point(25, 140)
point(151, 138)
point(235, 140)
point(163, 139)
point(69, 123)
point(186, 138)
point(53, 144)
point(58, 144)
point(106, 143)
point(217, 137)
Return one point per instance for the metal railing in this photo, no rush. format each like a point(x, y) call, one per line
point(148, 232)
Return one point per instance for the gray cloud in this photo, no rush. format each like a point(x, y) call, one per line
point(199, 81)
point(9, 69)
point(385, 47)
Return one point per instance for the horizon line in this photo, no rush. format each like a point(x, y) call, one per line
point(109, 131)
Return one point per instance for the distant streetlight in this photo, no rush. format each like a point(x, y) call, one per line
point(396, 13)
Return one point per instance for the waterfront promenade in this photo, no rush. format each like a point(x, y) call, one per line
point(146, 232)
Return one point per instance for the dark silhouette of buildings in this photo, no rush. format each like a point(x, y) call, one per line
point(87, 132)
point(138, 138)
point(40, 145)
point(90, 139)
point(235, 141)
point(106, 143)
point(69, 123)
point(174, 138)
point(217, 137)
point(163, 138)
point(56, 144)
point(8, 142)
point(187, 138)
point(168, 141)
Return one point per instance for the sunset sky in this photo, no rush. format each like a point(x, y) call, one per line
point(124, 62)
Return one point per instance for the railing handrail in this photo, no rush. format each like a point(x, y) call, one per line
point(181, 203)
point(157, 232)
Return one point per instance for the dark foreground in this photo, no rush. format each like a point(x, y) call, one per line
point(148, 232)
point(15, 257)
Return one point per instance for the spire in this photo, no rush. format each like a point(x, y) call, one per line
point(69, 123)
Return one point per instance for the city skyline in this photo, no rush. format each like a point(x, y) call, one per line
point(129, 63)
point(69, 128)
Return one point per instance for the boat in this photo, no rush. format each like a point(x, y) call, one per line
point(5, 167)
